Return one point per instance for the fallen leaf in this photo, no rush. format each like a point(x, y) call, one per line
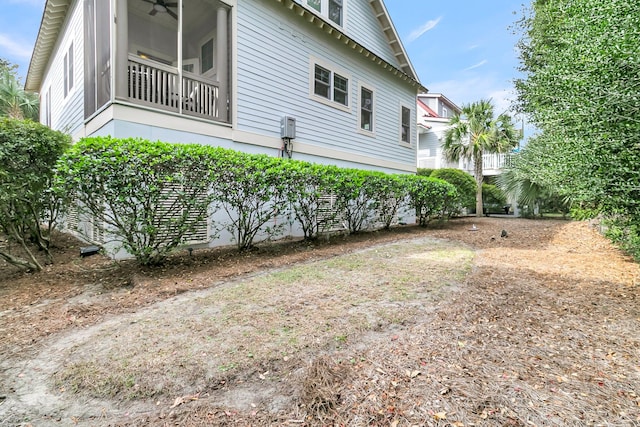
point(440, 416)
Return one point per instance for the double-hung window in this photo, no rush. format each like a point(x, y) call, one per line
point(68, 71)
point(405, 124)
point(330, 85)
point(366, 109)
point(331, 9)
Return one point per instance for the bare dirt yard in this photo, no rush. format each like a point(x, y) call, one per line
point(452, 325)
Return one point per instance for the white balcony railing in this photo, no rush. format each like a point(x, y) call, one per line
point(491, 163)
point(154, 84)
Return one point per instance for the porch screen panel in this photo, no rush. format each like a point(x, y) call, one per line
point(103, 46)
point(97, 53)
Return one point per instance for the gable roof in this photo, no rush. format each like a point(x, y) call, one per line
point(442, 99)
point(427, 109)
point(55, 11)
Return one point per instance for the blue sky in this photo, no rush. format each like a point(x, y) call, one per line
point(463, 49)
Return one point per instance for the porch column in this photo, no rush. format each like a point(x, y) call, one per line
point(222, 55)
point(122, 49)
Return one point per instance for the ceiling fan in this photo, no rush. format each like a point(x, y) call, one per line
point(163, 7)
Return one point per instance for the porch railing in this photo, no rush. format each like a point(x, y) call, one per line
point(158, 85)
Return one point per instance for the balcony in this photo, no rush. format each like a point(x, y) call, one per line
point(157, 85)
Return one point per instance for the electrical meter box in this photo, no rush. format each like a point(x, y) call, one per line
point(288, 127)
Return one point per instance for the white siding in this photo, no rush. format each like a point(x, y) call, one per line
point(364, 27)
point(274, 50)
point(67, 114)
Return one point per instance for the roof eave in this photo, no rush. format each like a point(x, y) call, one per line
point(407, 73)
point(54, 14)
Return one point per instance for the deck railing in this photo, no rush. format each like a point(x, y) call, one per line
point(157, 85)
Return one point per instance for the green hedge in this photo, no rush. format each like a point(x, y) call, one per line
point(151, 195)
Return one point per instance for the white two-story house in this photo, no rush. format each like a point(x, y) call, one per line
point(326, 81)
point(227, 73)
point(434, 111)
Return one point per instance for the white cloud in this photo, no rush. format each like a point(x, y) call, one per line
point(479, 64)
point(13, 48)
point(429, 25)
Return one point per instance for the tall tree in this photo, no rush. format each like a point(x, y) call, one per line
point(581, 88)
point(15, 102)
point(474, 132)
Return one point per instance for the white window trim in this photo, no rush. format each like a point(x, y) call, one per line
point(212, 72)
point(404, 143)
point(334, 70)
point(324, 11)
point(68, 71)
point(369, 87)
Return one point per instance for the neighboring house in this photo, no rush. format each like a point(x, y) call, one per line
point(434, 111)
point(326, 81)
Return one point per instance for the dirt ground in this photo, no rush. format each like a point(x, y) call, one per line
point(452, 325)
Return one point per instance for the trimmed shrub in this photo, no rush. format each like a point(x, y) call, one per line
point(29, 206)
point(149, 195)
point(465, 185)
point(309, 190)
point(428, 196)
point(252, 190)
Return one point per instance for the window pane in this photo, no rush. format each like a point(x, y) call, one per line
point(406, 123)
point(322, 82)
point(315, 4)
point(335, 11)
point(206, 53)
point(340, 89)
point(366, 109)
point(65, 75)
point(71, 67)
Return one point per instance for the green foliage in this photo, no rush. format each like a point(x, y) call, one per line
point(352, 198)
point(150, 195)
point(625, 233)
point(581, 90)
point(253, 192)
point(494, 198)
point(465, 186)
point(308, 185)
point(425, 171)
point(28, 205)
point(428, 196)
point(474, 132)
point(387, 194)
point(15, 102)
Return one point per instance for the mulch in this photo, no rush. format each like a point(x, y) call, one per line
point(542, 332)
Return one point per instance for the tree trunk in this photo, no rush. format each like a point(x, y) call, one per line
point(19, 262)
point(477, 169)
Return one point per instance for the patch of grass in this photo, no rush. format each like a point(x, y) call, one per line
point(183, 347)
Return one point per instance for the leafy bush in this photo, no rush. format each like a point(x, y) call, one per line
point(252, 190)
point(308, 186)
point(28, 205)
point(352, 198)
point(465, 185)
point(428, 196)
point(387, 193)
point(425, 171)
point(150, 195)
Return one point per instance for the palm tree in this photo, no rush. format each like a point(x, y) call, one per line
point(15, 102)
point(474, 132)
